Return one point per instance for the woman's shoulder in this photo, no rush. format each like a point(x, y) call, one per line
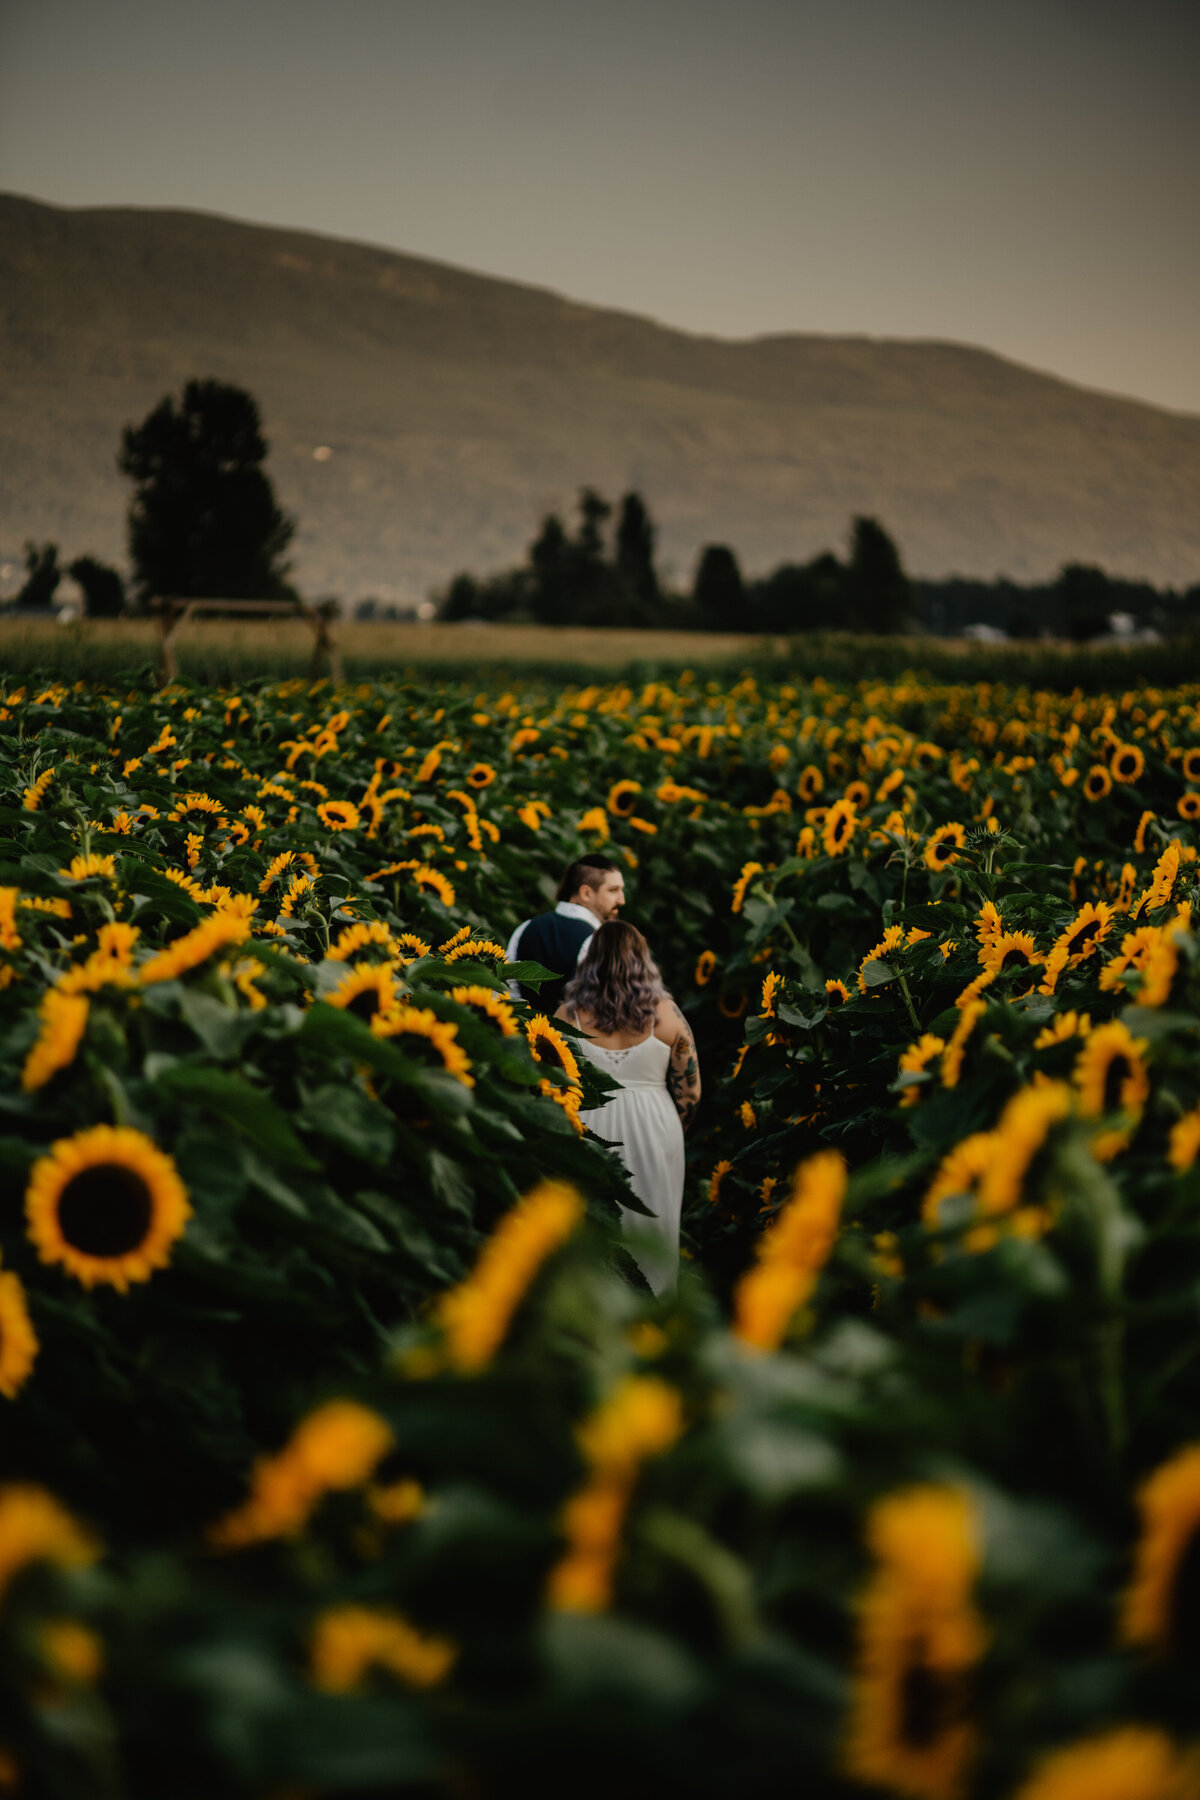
point(668, 1020)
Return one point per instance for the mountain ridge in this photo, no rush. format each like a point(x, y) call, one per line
point(459, 406)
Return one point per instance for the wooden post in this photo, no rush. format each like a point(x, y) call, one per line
point(325, 643)
point(320, 620)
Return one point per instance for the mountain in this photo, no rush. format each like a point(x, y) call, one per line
point(458, 409)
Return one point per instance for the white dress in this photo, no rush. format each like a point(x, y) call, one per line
point(640, 1118)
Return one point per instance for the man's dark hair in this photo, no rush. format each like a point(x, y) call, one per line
point(585, 871)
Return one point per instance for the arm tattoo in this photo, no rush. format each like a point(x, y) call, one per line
point(683, 1074)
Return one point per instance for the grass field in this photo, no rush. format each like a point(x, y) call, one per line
point(235, 651)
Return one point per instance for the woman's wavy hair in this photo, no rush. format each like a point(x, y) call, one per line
point(617, 982)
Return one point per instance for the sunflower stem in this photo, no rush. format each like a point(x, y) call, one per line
point(908, 1001)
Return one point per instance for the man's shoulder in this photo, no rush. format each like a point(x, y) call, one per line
point(558, 924)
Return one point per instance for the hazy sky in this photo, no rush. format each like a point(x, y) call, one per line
point(1021, 176)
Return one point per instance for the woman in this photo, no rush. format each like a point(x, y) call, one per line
point(636, 1033)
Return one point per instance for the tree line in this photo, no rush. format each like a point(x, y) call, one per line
point(602, 572)
point(204, 521)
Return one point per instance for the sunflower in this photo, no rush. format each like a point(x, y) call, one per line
point(720, 1171)
point(474, 948)
point(811, 784)
point(942, 847)
point(108, 1205)
point(83, 867)
point(960, 1172)
point(858, 794)
point(772, 982)
point(62, 1021)
point(705, 964)
point(348, 1641)
point(357, 937)
point(1090, 926)
point(35, 1528)
point(333, 1449)
point(419, 1022)
point(475, 1315)
point(1184, 1141)
point(1011, 950)
point(749, 871)
point(952, 1057)
point(1189, 806)
point(1111, 1076)
point(18, 1340)
point(1019, 1137)
point(837, 993)
point(622, 798)
point(1160, 1610)
point(791, 1252)
point(731, 1003)
point(838, 830)
point(892, 940)
point(1132, 1762)
point(595, 819)
point(920, 1639)
point(1126, 763)
point(1062, 1029)
point(1139, 836)
point(195, 947)
point(1097, 782)
point(490, 1004)
point(915, 1060)
point(481, 776)
point(433, 878)
point(550, 1046)
point(339, 815)
point(368, 990)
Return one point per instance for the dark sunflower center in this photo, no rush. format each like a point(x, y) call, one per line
point(945, 846)
point(1096, 784)
point(624, 803)
point(1083, 936)
point(1115, 1076)
point(105, 1210)
point(1183, 1620)
point(930, 1703)
point(364, 1006)
point(1015, 958)
point(1126, 764)
point(548, 1052)
point(841, 827)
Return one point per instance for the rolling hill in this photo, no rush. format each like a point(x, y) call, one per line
point(458, 408)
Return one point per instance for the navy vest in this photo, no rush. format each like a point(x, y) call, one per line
point(554, 941)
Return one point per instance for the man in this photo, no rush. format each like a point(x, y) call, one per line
point(592, 890)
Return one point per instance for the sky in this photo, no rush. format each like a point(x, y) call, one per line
point(1022, 177)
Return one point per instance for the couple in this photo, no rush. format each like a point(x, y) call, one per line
point(610, 988)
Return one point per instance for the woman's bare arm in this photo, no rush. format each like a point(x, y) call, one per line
point(683, 1069)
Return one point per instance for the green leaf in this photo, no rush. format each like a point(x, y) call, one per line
point(347, 1117)
point(232, 1098)
point(878, 974)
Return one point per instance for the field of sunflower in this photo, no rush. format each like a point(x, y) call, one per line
point(343, 1454)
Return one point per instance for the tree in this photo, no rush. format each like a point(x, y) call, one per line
point(204, 520)
point(1085, 600)
point(550, 562)
point(635, 559)
point(718, 592)
point(42, 576)
point(878, 592)
point(103, 588)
